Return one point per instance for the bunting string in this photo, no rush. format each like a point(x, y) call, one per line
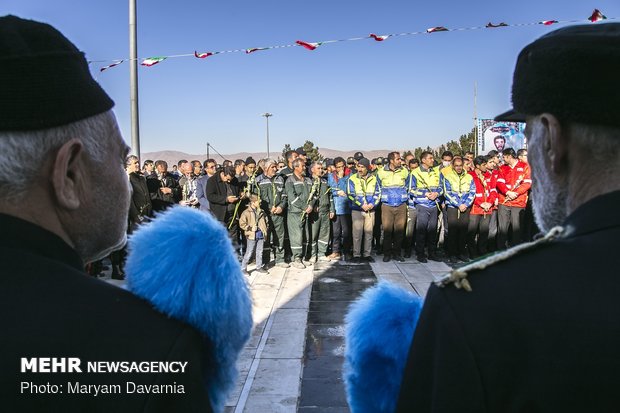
point(596, 16)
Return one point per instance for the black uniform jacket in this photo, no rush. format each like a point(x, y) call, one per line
point(540, 332)
point(50, 308)
point(216, 195)
point(140, 205)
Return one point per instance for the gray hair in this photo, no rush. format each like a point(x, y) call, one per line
point(312, 165)
point(130, 159)
point(297, 162)
point(22, 153)
point(269, 162)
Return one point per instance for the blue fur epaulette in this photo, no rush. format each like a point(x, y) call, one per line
point(184, 264)
point(379, 330)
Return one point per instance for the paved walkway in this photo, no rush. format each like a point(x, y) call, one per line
point(293, 361)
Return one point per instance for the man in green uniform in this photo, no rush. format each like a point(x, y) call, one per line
point(270, 188)
point(300, 203)
point(322, 213)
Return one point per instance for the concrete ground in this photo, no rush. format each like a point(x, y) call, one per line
point(293, 363)
point(293, 360)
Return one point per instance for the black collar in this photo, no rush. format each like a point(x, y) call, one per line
point(18, 234)
point(596, 214)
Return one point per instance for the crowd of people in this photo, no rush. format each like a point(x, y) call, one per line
point(298, 211)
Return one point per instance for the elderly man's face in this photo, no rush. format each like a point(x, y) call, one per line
point(133, 166)
point(96, 215)
point(317, 170)
point(271, 170)
point(186, 169)
point(549, 195)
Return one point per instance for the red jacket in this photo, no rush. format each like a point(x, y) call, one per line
point(485, 192)
point(517, 179)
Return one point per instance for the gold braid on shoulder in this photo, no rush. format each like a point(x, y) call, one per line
point(458, 276)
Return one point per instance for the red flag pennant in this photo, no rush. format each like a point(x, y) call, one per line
point(202, 55)
point(255, 49)
point(492, 26)
point(112, 65)
point(548, 22)
point(308, 45)
point(379, 38)
point(437, 29)
point(597, 16)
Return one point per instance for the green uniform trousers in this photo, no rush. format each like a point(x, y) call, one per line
point(319, 232)
point(296, 234)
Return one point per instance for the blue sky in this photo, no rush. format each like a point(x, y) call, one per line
point(405, 92)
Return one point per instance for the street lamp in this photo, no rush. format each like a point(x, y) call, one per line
point(267, 115)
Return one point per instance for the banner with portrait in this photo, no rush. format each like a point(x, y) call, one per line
point(493, 135)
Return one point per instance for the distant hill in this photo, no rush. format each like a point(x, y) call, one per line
point(172, 157)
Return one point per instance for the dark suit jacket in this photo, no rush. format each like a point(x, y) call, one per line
point(50, 308)
point(140, 205)
point(539, 332)
point(216, 195)
point(160, 200)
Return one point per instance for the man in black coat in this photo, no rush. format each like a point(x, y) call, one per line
point(537, 328)
point(70, 210)
point(164, 187)
point(140, 206)
point(223, 196)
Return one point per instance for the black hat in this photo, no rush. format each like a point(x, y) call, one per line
point(379, 161)
point(364, 161)
point(358, 156)
point(300, 151)
point(249, 160)
point(329, 162)
point(350, 159)
point(44, 78)
point(571, 73)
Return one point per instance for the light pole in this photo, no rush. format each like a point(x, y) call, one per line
point(133, 79)
point(267, 115)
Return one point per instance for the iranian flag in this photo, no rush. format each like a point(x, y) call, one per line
point(597, 16)
point(308, 45)
point(151, 61)
point(111, 66)
point(548, 22)
point(202, 55)
point(492, 26)
point(379, 38)
point(436, 29)
point(255, 49)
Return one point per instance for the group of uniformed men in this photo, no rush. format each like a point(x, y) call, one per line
point(334, 209)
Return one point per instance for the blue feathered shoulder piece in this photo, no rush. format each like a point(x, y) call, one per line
point(200, 283)
point(379, 329)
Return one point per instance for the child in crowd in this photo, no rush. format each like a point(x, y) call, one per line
point(254, 222)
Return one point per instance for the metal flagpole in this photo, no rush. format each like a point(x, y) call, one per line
point(267, 115)
point(133, 79)
point(476, 137)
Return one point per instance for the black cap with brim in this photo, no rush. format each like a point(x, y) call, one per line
point(44, 79)
point(571, 73)
point(510, 116)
